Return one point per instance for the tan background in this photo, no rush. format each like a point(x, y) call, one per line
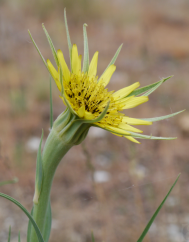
point(156, 44)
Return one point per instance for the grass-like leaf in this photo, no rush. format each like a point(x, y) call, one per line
point(40, 238)
point(86, 50)
point(51, 105)
point(147, 88)
point(156, 213)
point(9, 234)
point(14, 180)
point(162, 117)
point(19, 240)
point(92, 236)
point(152, 89)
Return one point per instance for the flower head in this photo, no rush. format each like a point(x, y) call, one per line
point(87, 97)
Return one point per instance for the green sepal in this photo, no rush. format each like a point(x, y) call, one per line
point(38, 50)
point(40, 238)
point(39, 174)
point(51, 45)
point(162, 117)
point(86, 50)
point(68, 38)
point(48, 222)
point(156, 213)
point(9, 234)
point(113, 59)
point(147, 88)
point(19, 240)
point(51, 105)
point(142, 136)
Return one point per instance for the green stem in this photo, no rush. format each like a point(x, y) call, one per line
point(51, 157)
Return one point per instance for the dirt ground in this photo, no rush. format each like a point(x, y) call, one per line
point(118, 195)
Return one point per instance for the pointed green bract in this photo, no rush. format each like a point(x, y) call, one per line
point(38, 49)
point(86, 50)
point(40, 238)
point(29, 227)
point(51, 105)
point(156, 213)
point(39, 174)
point(162, 117)
point(68, 38)
point(51, 45)
point(113, 59)
point(142, 136)
point(147, 88)
point(152, 89)
point(9, 234)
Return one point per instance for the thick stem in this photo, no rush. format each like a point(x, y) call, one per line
point(51, 156)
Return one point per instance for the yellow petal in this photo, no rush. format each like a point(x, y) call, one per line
point(93, 65)
point(135, 101)
point(54, 74)
point(75, 60)
point(129, 128)
point(89, 116)
point(105, 78)
point(80, 58)
point(116, 130)
point(81, 111)
point(132, 139)
point(66, 71)
point(125, 91)
point(135, 121)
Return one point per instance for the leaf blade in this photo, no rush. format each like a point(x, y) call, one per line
point(162, 117)
point(40, 238)
point(86, 50)
point(51, 105)
point(156, 213)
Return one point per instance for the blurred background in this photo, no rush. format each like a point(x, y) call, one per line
point(107, 185)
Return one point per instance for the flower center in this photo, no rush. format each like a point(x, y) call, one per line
point(83, 90)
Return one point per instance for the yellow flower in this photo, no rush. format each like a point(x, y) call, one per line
point(87, 97)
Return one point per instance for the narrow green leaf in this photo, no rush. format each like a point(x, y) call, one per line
point(19, 240)
point(38, 50)
point(68, 38)
point(156, 213)
point(51, 45)
point(51, 105)
point(114, 58)
point(39, 173)
point(48, 222)
point(142, 136)
point(14, 180)
point(40, 238)
point(92, 236)
point(86, 50)
point(152, 89)
point(9, 234)
point(29, 227)
point(162, 117)
point(147, 88)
